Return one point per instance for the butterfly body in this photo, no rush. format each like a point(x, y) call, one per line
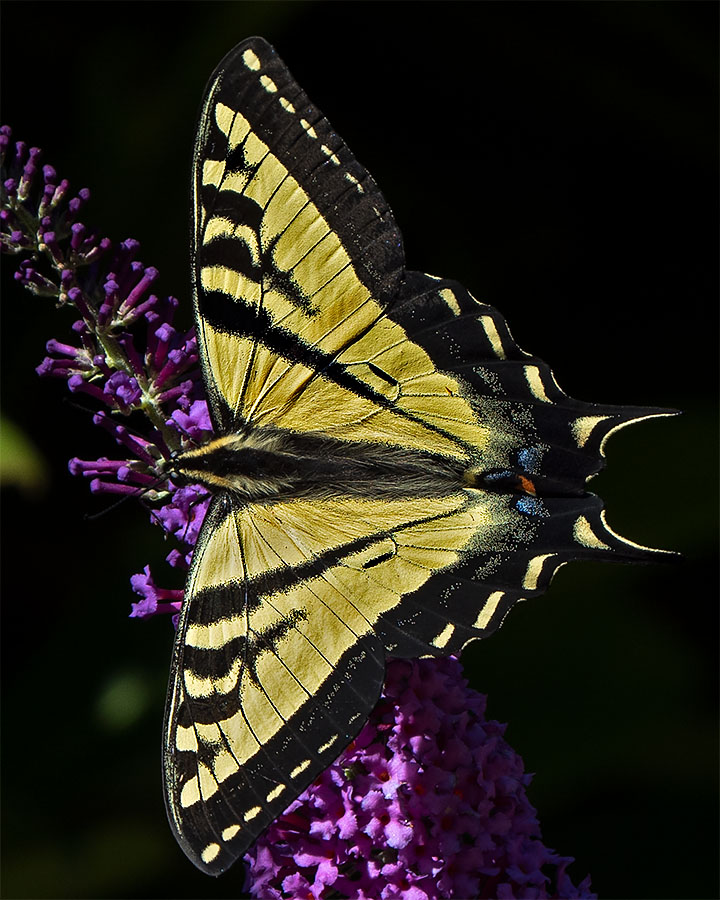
point(390, 471)
point(267, 464)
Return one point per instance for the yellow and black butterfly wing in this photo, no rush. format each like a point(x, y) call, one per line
point(537, 435)
point(271, 681)
point(308, 323)
point(280, 287)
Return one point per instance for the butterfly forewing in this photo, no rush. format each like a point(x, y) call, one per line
point(294, 244)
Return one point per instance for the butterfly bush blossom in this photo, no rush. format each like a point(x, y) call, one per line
point(124, 354)
point(428, 801)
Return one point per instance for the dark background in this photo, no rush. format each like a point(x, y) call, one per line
point(557, 158)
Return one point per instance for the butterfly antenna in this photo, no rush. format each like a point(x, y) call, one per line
point(76, 405)
point(137, 494)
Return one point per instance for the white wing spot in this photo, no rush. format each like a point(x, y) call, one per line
point(301, 768)
point(492, 335)
point(275, 792)
point(230, 832)
point(583, 427)
point(328, 152)
point(210, 853)
point(583, 534)
point(451, 300)
point(287, 105)
point(251, 813)
point(251, 60)
point(534, 571)
point(353, 180)
point(268, 84)
point(486, 613)
point(327, 744)
point(442, 639)
point(537, 388)
point(308, 127)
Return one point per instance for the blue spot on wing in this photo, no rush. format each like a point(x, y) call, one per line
point(529, 458)
point(530, 506)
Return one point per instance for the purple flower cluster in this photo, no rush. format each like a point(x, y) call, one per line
point(428, 802)
point(124, 353)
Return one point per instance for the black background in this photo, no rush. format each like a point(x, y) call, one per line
point(557, 158)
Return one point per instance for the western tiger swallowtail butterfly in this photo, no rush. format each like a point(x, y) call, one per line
point(390, 471)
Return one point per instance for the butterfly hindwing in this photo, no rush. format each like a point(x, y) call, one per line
point(314, 337)
point(272, 684)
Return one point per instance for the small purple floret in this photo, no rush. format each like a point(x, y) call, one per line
point(184, 514)
point(154, 600)
point(195, 423)
point(123, 389)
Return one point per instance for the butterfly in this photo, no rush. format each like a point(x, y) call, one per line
point(390, 471)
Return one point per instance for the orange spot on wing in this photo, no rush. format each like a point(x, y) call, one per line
point(526, 484)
